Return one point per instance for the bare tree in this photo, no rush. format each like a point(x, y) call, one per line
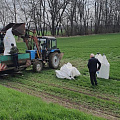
point(56, 10)
point(76, 17)
point(4, 14)
point(12, 7)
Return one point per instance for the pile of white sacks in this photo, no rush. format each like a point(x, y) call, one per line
point(67, 71)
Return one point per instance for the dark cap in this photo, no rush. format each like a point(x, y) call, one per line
point(12, 44)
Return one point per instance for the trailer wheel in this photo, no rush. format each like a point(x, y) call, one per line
point(54, 60)
point(37, 66)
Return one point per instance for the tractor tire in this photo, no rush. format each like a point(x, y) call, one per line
point(54, 60)
point(37, 66)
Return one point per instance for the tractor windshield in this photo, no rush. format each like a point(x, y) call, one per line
point(53, 46)
point(51, 43)
point(42, 43)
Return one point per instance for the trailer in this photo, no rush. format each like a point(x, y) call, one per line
point(6, 62)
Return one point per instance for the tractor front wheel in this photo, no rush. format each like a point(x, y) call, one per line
point(54, 60)
point(37, 66)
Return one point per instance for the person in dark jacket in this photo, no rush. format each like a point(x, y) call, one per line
point(14, 54)
point(1, 42)
point(93, 66)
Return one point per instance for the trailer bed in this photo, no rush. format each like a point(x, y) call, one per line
point(6, 62)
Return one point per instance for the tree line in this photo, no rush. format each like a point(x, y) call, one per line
point(63, 17)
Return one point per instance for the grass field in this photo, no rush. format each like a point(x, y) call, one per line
point(101, 101)
point(18, 106)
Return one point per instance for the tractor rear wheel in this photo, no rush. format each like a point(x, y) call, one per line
point(54, 60)
point(37, 66)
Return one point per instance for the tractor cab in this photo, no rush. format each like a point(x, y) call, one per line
point(48, 43)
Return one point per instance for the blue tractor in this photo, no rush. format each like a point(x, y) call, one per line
point(43, 50)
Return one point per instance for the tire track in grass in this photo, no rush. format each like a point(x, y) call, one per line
point(82, 91)
point(52, 91)
point(86, 92)
point(62, 101)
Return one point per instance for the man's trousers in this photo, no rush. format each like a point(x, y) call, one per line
point(93, 78)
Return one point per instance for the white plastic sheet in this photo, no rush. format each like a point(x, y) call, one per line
point(67, 71)
point(8, 39)
point(105, 67)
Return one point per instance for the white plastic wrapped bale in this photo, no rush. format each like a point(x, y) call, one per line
point(67, 71)
point(105, 67)
point(8, 39)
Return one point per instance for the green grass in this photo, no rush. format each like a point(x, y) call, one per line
point(18, 106)
point(81, 47)
point(104, 98)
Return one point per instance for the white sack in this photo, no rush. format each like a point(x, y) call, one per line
point(105, 67)
point(8, 39)
point(99, 57)
point(67, 71)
